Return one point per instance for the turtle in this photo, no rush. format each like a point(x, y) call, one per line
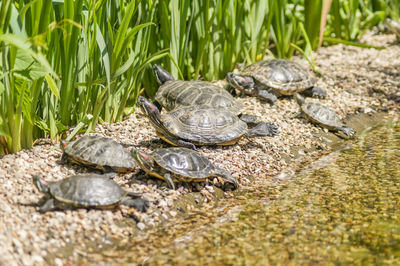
point(98, 152)
point(271, 78)
point(180, 164)
point(86, 191)
point(177, 93)
point(321, 115)
point(197, 125)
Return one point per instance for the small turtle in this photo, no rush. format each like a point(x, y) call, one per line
point(323, 116)
point(196, 125)
point(98, 152)
point(177, 93)
point(268, 79)
point(180, 164)
point(87, 191)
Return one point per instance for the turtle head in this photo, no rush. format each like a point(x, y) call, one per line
point(41, 185)
point(149, 109)
point(243, 83)
point(161, 74)
point(143, 159)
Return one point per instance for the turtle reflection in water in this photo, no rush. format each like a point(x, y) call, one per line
point(87, 191)
point(180, 164)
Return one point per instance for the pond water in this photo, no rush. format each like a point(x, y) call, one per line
point(345, 211)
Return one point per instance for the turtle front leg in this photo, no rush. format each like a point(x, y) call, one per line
point(347, 130)
point(266, 94)
point(263, 129)
point(49, 205)
point(315, 92)
point(140, 204)
point(168, 178)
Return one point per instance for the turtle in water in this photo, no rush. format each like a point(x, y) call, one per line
point(98, 152)
point(196, 125)
point(323, 116)
point(87, 191)
point(177, 93)
point(180, 164)
point(272, 78)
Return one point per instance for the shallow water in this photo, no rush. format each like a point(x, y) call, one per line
point(346, 210)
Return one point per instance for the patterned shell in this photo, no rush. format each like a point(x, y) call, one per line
point(99, 152)
point(184, 162)
point(287, 77)
point(177, 93)
point(89, 190)
point(204, 126)
point(322, 115)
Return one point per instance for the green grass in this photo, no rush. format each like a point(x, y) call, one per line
point(77, 63)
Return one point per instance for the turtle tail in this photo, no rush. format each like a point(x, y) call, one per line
point(226, 176)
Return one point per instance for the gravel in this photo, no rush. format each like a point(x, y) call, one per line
point(358, 81)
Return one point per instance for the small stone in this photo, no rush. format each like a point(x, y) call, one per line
point(141, 226)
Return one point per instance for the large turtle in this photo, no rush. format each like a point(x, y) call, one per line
point(323, 116)
point(87, 191)
point(177, 93)
point(268, 79)
point(98, 152)
point(196, 125)
point(180, 164)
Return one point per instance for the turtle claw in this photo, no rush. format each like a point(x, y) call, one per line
point(348, 131)
point(315, 92)
point(263, 129)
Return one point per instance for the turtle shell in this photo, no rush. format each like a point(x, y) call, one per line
point(90, 190)
point(177, 93)
point(99, 152)
point(322, 115)
point(286, 77)
point(205, 126)
point(185, 164)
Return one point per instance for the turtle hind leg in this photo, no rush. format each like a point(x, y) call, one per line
point(263, 129)
point(315, 92)
point(139, 204)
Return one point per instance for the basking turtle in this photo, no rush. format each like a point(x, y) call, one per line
point(323, 116)
point(268, 79)
point(98, 152)
point(196, 125)
point(177, 93)
point(180, 164)
point(87, 191)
